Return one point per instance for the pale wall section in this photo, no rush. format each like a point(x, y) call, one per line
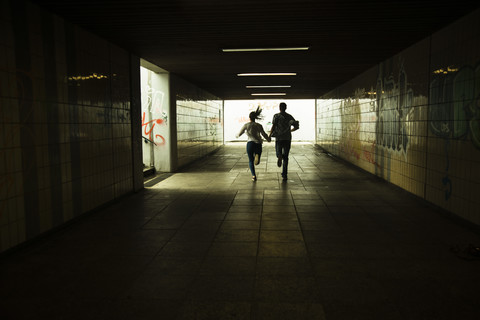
point(414, 119)
point(237, 111)
point(199, 121)
point(155, 119)
point(65, 122)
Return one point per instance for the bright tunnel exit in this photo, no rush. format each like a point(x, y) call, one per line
point(236, 115)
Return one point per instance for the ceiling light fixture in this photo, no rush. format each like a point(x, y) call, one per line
point(269, 94)
point(266, 49)
point(266, 74)
point(255, 87)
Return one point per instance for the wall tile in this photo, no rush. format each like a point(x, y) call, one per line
point(426, 119)
point(199, 128)
point(53, 133)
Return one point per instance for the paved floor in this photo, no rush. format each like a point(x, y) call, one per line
point(208, 243)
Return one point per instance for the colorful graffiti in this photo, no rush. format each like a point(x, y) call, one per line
point(242, 119)
point(148, 127)
point(152, 105)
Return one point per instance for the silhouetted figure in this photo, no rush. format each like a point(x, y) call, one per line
point(283, 124)
point(254, 143)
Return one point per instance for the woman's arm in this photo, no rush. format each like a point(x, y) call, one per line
point(241, 131)
point(272, 130)
point(264, 134)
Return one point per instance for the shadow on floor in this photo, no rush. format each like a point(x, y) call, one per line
point(332, 242)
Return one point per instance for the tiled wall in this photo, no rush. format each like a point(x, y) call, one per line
point(65, 122)
point(414, 119)
point(453, 163)
point(199, 122)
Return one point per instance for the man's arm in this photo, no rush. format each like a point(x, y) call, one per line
point(295, 124)
point(274, 125)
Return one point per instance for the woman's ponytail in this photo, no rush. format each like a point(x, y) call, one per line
point(256, 115)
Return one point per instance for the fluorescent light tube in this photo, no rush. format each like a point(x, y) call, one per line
point(254, 87)
point(266, 49)
point(266, 74)
point(269, 94)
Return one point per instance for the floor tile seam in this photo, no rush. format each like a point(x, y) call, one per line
point(379, 223)
point(253, 299)
point(235, 241)
point(212, 242)
point(303, 237)
point(259, 276)
point(174, 234)
point(123, 292)
point(145, 267)
point(279, 230)
point(276, 229)
point(291, 242)
point(344, 228)
point(188, 301)
point(258, 238)
point(146, 264)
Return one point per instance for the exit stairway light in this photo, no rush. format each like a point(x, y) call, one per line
point(266, 49)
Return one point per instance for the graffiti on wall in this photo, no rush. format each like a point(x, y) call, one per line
point(152, 100)
point(350, 118)
point(213, 124)
point(394, 108)
point(355, 139)
point(269, 108)
point(377, 119)
point(148, 127)
point(153, 114)
point(454, 112)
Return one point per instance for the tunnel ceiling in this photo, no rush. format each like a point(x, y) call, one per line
point(185, 37)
